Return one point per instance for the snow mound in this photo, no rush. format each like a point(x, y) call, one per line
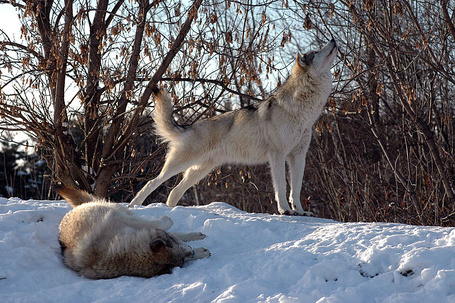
point(255, 258)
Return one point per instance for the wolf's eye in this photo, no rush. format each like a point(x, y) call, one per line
point(308, 58)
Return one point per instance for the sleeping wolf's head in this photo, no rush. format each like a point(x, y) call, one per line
point(316, 64)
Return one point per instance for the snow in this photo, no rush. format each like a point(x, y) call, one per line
point(255, 258)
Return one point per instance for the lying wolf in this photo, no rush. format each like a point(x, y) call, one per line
point(277, 131)
point(102, 240)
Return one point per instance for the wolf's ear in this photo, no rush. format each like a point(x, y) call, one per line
point(298, 60)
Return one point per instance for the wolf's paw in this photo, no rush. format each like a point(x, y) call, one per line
point(164, 222)
point(201, 252)
point(194, 236)
point(187, 237)
point(199, 236)
point(287, 212)
point(304, 213)
point(296, 213)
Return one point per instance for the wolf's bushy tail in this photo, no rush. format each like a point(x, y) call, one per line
point(74, 196)
point(166, 127)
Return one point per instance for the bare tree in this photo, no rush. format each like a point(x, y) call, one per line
point(390, 121)
point(80, 79)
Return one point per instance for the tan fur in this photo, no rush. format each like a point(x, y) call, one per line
point(278, 131)
point(103, 240)
point(72, 196)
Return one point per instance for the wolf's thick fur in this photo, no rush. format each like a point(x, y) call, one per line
point(278, 130)
point(102, 240)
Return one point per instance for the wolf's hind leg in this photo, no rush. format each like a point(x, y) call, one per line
point(190, 177)
point(163, 222)
point(175, 163)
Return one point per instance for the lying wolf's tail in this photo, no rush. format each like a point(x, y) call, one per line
point(166, 127)
point(74, 196)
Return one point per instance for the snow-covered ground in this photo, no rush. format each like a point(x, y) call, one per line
point(255, 258)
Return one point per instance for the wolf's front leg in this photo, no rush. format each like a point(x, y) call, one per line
point(199, 253)
point(278, 169)
point(296, 165)
point(196, 253)
point(187, 237)
point(189, 252)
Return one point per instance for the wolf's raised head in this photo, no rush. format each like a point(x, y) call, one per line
point(316, 64)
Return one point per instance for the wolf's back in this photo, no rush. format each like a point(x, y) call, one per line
point(165, 125)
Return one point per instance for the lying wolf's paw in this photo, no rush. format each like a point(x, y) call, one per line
point(199, 236)
point(191, 236)
point(164, 222)
point(201, 252)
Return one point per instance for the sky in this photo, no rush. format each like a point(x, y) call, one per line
point(9, 21)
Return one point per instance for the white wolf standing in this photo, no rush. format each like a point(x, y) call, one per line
point(278, 130)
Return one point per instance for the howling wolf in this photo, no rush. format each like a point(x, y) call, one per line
point(277, 131)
